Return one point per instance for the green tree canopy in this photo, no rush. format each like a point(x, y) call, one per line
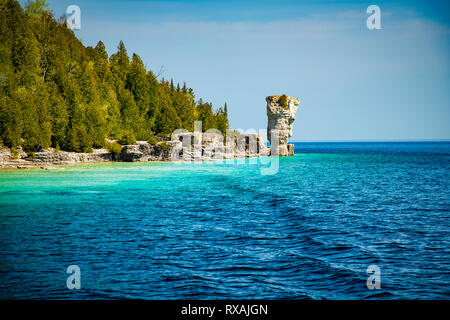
point(36, 7)
point(56, 92)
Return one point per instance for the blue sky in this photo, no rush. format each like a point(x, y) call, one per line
point(353, 83)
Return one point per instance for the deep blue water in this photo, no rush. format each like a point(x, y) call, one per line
point(222, 230)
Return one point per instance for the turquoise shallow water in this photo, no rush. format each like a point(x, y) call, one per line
point(223, 230)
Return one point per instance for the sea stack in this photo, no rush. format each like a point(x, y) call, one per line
point(281, 115)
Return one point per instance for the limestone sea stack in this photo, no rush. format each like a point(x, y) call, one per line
point(281, 115)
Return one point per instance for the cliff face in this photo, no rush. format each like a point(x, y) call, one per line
point(187, 147)
point(281, 116)
point(210, 146)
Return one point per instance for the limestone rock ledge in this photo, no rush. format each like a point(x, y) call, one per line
point(213, 147)
point(49, 157)
point(281, 112)
point(182, 149)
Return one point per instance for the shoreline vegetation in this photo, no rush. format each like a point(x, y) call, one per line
point(61, 101)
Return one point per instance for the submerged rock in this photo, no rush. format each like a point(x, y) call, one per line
point(281, 116)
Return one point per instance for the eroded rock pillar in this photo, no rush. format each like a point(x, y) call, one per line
point(281, 116)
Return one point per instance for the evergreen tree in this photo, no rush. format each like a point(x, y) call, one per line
point(101, 50)
point(11, 122)
point(206, 115)
point(222, 119)
point(36, 7)
point(139, 86)
point(119, 64)
point(55, 91)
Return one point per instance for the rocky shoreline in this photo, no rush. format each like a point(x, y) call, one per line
point(183, 146)
point(49, 158)
point(210, 149)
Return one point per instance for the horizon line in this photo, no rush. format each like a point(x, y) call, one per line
point(374, 140)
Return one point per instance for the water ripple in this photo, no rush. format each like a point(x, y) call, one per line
point(209, 231)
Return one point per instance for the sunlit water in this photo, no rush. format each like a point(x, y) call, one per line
point(223, 230)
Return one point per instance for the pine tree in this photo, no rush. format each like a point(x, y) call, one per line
point(36, 7)
point(55, 91)
point(222, 119)
point(11, 122)
point(206, 116)
point(101, 50)
point(120, 63)
point(138, 84)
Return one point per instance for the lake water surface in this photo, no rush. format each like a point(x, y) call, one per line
point(222, 230)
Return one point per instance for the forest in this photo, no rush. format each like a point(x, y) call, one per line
point(55, 92)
